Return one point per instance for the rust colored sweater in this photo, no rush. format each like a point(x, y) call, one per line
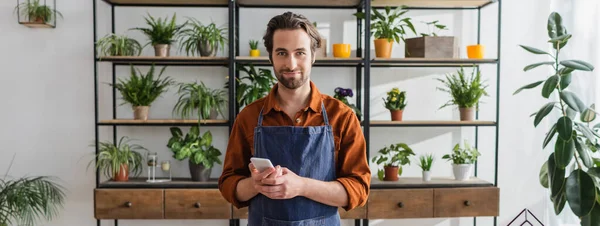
point(352, 167)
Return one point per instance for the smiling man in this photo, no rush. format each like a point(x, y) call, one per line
point(314, 140)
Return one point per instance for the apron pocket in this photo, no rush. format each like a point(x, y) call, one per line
point(318, 221)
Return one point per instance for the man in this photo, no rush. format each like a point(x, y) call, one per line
point(314, 140)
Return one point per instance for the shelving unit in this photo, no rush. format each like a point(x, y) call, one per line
point(446, 193)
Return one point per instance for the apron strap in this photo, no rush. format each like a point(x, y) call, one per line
point(260, 117)
point(325, 119)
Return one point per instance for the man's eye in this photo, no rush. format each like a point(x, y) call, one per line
point(301, 53)
point(281, 53)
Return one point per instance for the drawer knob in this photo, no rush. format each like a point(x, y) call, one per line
point(400, 204)
point(467, 203)
point(128, 204)
point(197, 205)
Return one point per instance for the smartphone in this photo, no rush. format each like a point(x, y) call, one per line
point(261, 164)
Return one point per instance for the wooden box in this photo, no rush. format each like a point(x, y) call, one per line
point(431, 47)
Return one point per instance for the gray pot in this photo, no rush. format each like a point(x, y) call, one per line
point(162, 50)
point(206, 50)
point(199, 172)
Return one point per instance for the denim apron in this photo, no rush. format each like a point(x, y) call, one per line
point(306, 151)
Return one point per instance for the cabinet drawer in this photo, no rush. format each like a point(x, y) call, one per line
point(128, 203)
point(459, 202)
point(400, 203)
point(357, 213)
point(196, 204)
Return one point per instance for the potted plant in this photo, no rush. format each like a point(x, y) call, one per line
point(462, 160)
point(198, 149)
point(342, 95)
point(322, 50)
point(430, 45)
point(201, 39)
point(118, 45)
point(392, 158)
point(395, 102)
point(36, 12)
point(258, 84)
point(206, 102)
point(465, 92)
point(142, 90)
point(425, 162)
point(24, 200)
point(162, 34)
point(387, 28)
point(254, 51)
point(117, 161)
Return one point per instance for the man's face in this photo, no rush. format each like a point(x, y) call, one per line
point(292, 57)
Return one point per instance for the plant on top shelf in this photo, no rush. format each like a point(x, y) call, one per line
point(465, 92)
point(392, 157)
point(258, 84)
point(462, 160)
point(119, 45)
point(431, 44)
point(395, 102)
point(342, 95)
point(116, 161)
point(36, 12)
point(425, 162)
point(254, 51)
point(387, 28)
point(199, 98)
point(432, 33)
point(571, 172)
point(142, 90)
point(162, 33)
point(201, 39)
point(198, 149)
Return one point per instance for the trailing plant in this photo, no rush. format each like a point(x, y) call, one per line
point(258, 85)
point(161, 31)
point(426, 161)
point(463, 155)
point(435, 25)
point(571, 173)
point(193, 38)
point(465, 92)
point(395, 155)
point(197, 148)
point(395, 100)
point(391, 25)
point(142, 89)
point(119, 45)
point(253, 44)
point(342, 95)
point(26, 200)
point(35, 11)
point(111, 156)
point(200, 98)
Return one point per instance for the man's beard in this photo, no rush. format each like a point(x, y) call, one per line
point(294, 82)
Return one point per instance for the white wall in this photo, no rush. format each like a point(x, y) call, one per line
point(48, 106)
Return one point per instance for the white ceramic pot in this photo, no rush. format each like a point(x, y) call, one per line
point(426, 175)
point(462, 171)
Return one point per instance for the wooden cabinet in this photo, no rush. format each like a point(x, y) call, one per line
point(463, 202)
point(196, 204)
point(400, 203)
point(128, 203)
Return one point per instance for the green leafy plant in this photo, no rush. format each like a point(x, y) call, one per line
point(119, 45)
point(342, 95)
point(25, 200)
point(576, 142)
point(463, 155)
point(465, 92)
point(199, 36)
point(426, 161)
point(395, 100)
point(435, 25)
point(391, 25)
point(161, 31)
point(200, 98)
point(253, 44)
point(197, 148)
point(112, 156)
point(142, 89)
point(258, 85)
point(395, 155)
point(37, 12)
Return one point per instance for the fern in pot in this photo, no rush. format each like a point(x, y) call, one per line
point(198, 98)
point(119, 161)
point(37, 12)
point(203, 40)
point(253, 86)
point(161, 33)
point(392, 157)
point(118, 45)
point(198, 149)
point(465, 92)
point(462, 159)
point(141, 90)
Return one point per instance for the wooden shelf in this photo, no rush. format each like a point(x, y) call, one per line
point(429, 62)
point(416, 123)
point(320, 61)
point(37, 25)
point(432, 3)
point(304, 3)
point(223, 3)
point(171, 60)
point(140, 182)
point(435, 182)
point(163, 122)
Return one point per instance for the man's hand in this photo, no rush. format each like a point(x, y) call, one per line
point(286, 186)
point(257, 176)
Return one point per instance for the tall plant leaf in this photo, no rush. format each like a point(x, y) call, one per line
point(564, 150)
point(564, 127)
point(572, 100)
point(581, 192)
point(549, 135)
point(550, 85)
point(577, 65)
point(528, 86)
point(556, 176)
point(543, 112)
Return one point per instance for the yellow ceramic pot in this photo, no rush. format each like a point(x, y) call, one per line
point(475, 51)
point(254, 52)
point(341, 50)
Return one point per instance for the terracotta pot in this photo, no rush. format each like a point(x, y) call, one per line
point(383, 48)
point(39, 20)
point(162, 50)
point(475, 51)
point(397, 115)
point(123, 174)
point(391, 173)
point(467, 114)
point(141, 112)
